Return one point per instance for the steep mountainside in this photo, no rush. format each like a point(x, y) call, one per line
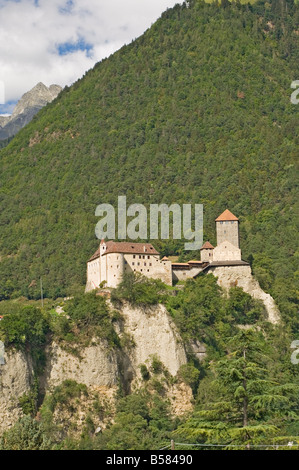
point(30, 103)
point(196, 110)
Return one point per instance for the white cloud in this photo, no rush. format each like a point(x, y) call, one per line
point(31, 31)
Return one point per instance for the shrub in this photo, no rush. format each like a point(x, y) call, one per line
point(189, 375)
point(139, 290)
point(144, 372)
point(26, 434)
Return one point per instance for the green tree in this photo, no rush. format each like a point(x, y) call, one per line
point(139, 290)
point(26, 434)
point(246, 405)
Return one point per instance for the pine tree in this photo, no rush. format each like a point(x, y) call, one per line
point(241, 404)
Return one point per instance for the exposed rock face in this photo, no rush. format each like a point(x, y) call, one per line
point(30, 103)
point(151, 332)
point(96, 367)
point(241, 276)
point(15, 380)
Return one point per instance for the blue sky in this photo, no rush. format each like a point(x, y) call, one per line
point(56, 41)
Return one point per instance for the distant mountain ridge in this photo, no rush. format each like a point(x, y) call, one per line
point(30, 103)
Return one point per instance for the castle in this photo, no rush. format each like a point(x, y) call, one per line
point(113, 259)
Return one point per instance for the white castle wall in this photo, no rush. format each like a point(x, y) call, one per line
point(115, 268)
point(226, 251)
point(93, 274)
point(110, 267)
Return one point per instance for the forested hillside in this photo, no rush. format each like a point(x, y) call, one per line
point(197, 110)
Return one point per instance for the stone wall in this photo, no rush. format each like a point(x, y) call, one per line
point(228, 230)
point(226, 251)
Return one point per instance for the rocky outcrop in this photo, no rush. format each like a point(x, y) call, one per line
point(30, 103)
point(241, 276)
point(153, 333)
point(16, 376)
point(145, 333)
point(96, 366)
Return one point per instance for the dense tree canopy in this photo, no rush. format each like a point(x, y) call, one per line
point(196, 110)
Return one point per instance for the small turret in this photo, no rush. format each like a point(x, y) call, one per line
point(103, 247)
point(206, 252)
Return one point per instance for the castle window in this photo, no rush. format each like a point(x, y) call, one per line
point(141, 270)
point(148, 257)
point(150, 264)
point(144, 264)
point(148, 270)
point(138, 264)
point(134, 256)
point(221, 223)
point(133, 263)
point(139, 256)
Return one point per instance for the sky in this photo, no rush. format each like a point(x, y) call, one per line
point(57, 41)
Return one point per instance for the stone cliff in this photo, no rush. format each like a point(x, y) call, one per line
point(149, 332)
point(241, 276)
point(29, 104)
point(16, 378)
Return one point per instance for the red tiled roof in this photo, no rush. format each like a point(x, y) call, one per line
point(207, 246)
point(126, 247)
point(225, 216)
point(95, 255)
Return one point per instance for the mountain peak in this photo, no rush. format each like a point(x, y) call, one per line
point(38, 96)
point(29, 104)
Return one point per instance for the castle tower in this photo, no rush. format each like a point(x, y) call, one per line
point(227, 228)
point(206, 252)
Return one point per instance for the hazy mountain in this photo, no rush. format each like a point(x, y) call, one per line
point(30, 103)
